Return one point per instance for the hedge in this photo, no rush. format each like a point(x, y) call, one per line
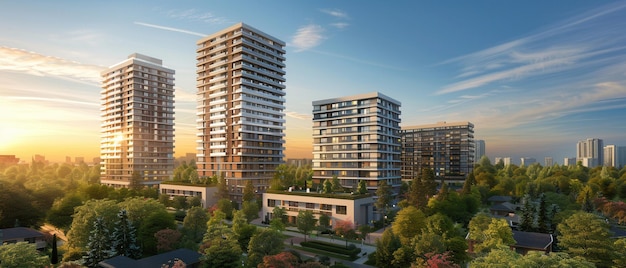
point(331, 247)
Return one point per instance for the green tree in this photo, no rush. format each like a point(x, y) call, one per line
point(620, 251)
point(167, 240)
point(385, 248)
point(219, 244)
point(22, 254)
point(226, 205)
point(243, 229)
point(336, 185)
point(248, 192)
point(99, 245)
point(362, 187)
point(60, 215)
point(54, 254)
point(328, 187)
point(222, 188)
point(305, 222)
point(266, 243)
point(585, 235)
point(124, 239)
point(279, 218)
point(251, 210)
point(489, 233)
point(194, 224)
point(155, 222)
point(84, 217)
point(408, 223)
point(384, 199)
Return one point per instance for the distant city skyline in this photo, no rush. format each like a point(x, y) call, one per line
point(534, 77)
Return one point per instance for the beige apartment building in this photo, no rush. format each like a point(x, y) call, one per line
point(137, 122)
point(344, 207)
point(357, 138)
point(445, 147)
point(240, 111)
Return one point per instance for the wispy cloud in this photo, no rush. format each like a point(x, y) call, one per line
point(195, 15)
point(297, 115)
point(336, 13)
point(566, 70)
point(340, 25)
point(183, 95)
point(169, 29)
point(19, 60)
point(307, 37)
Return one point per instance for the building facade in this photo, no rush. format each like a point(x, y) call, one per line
point(358, 210)
point(240, 111)
point(569, 161)
point(207, 194)
point(357, 138)
point(590, 152)
point(137, 128)
point(446, 148)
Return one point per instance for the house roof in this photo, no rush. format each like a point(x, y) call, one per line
point(617, 232)
point(186, 255)
point(499, 198)
point(506, 206)
point(532, 240)
point(18, 232)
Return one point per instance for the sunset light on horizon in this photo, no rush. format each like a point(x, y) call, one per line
point(534, 77)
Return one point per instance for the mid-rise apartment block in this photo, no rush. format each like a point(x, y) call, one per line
point(569, 161)
point(137, 129)
point(357, 138)
point(590, 152)
point(446, 148)
point(527, 161)
point(240, 110)
point(548, 161)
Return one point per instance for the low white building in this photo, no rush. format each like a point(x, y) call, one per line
point(206, 193)
point(358, 209)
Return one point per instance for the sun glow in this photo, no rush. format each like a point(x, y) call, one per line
point(9, 137)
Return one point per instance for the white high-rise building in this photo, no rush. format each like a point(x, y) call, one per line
point(569, 161)
point(548, 161)
point(527, 161)
point(505, 160)
point(479, 150)
point(240, 90)
point(590, 152)
point(357, 138)
point(137, 129)
point(614, 156)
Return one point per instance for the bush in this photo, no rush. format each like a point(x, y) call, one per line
point(331, 247)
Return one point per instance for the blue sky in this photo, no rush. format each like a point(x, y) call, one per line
point(533, 76)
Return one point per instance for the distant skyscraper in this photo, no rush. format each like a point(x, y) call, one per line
point(357, 138)
point(446, 148)
point(480, 150)
point(527, 161)
point(614, 156)
point(505, 160)
point(548, 161)
point(569, 161)
point(590, 152)
point(137, 129)
point(240, 90)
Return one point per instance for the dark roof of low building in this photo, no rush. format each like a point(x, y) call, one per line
point(506, 206)
point(19, 232)
point(532, 240)
point(186, 255)
point(617, 232)
point(499, 198)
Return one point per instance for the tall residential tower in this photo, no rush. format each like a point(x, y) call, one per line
point(590, 152)
point(357, 138)
point(446, 148)
point(240, 90)
point(137, 129)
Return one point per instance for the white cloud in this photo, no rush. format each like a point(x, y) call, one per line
point(194, 15)
point(336, 13)
point(18, 60)
point(170, 29)
point(340, 25)
point(297, 115)
point(307, 37)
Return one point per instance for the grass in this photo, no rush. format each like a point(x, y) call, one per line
point(323, 252)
